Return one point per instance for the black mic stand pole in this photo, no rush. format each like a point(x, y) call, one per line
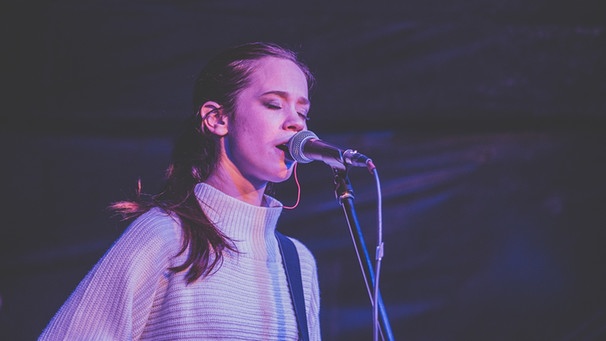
point(344, 193)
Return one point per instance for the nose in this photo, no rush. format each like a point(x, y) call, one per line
point(295, 122)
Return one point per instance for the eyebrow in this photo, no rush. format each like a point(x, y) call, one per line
point(284, 94)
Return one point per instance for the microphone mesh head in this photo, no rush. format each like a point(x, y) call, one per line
point(296, 143)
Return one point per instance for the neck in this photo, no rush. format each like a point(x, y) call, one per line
point(234, 184)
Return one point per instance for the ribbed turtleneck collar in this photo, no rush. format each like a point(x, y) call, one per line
point(251, 227)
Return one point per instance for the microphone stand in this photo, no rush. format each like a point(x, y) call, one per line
point(344, 193)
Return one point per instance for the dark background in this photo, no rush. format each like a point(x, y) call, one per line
point(485, 120)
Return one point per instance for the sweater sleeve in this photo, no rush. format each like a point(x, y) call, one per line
point(114, 299)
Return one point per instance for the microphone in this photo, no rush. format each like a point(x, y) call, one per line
point(305, 147)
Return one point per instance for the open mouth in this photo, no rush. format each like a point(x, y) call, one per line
point(284, 148)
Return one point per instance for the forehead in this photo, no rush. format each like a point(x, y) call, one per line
point(277, 74)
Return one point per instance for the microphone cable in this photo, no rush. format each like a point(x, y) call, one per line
point(298, 188)
point(378, 255)
point(374, 292)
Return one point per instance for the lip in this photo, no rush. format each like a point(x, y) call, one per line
point(284, 148)
point(283, 144)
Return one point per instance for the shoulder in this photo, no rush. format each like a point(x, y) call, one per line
point(155, 224)
point(306, 257)
point(309, 277)
point(153, 231)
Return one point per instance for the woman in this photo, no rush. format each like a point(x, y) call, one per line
point(201, 260)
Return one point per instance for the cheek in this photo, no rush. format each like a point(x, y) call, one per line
point(243, 142)
point(247, 122)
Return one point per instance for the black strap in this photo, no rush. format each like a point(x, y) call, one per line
point(290, 258)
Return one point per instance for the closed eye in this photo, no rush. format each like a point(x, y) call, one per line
point(273, 106)
point(277, 106)
point(304, 116)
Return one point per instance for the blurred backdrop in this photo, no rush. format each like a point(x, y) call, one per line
point(485, 120)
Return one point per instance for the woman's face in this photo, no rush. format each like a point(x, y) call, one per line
point(267, 114)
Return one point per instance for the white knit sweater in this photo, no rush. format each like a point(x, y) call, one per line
point(131, 295)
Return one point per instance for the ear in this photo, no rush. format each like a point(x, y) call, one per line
point(213, 118)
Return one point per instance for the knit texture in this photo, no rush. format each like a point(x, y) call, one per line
point(131, 295)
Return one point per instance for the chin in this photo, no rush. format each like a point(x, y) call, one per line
point(280, 179)
point(282, 175)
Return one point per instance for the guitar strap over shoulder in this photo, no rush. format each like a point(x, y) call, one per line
point(292, 267)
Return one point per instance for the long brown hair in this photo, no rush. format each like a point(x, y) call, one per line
point(195, 155)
